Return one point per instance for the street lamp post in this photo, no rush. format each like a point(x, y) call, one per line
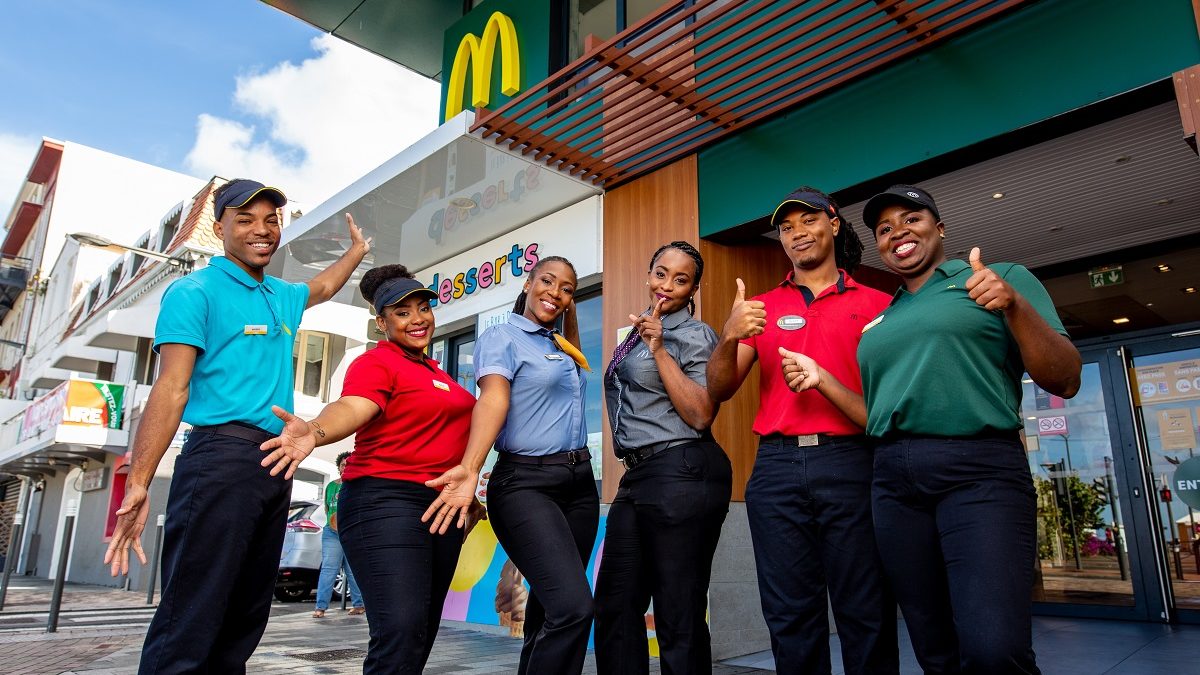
point(184, 265)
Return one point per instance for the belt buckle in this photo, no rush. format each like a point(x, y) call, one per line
point(806, 440)
point(573, 457)
point(630, 460)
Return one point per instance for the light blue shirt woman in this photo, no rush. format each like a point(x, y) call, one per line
point(545, 414)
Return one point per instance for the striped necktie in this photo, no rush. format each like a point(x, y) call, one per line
point(622, 351)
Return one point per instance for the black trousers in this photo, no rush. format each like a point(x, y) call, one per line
point(221, 544)
point(662, 531)
point(956, 522)
point(403, 570)
point(546, 517)
point(810, 521)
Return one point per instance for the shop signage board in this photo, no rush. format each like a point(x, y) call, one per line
point(1186, 482)
point(491, 275)
point(1054, 425)
point(93, 479)
point(1175, 429)
point(1163, 383)
point(88, 403)
point(1112, 275)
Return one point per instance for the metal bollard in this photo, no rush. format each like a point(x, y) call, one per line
point(158, 537)
point(10, 562)
point(345, 584)
point(60, 578)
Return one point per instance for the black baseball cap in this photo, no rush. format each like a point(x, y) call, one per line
point(804, 199)
point(240, 191)
point(396, 289)
point(909, 195)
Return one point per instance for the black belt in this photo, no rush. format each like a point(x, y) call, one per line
point(631, 458)
point(806, 440)
point(242, 431)
point(569, 457)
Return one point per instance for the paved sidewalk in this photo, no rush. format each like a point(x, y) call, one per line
point(101, 633)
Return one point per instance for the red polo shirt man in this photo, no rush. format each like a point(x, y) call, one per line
point(809, 497)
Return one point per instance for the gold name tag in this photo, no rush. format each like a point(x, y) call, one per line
point(441, 385)
point(873, 323)
point(255, 330)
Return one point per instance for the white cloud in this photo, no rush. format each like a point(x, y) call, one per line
point(320, 124)
point(16, 155)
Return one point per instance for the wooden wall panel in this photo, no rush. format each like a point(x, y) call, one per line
point(639, 217)
point(761, 266)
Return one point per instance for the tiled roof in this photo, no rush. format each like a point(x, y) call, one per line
point(195, 232)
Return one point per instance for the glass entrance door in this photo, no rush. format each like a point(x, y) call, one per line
point(1072, 447)
point(1165, 384)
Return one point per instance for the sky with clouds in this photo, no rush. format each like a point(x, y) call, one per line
point(224, 87)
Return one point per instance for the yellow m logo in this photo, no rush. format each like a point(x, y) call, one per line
point(479, 54)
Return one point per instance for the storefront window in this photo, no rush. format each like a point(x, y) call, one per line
point(310, 370)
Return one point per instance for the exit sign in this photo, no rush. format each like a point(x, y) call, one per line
point(1106, 276)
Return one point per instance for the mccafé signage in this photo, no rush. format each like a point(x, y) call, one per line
point(88, 403)
point(449, 218)
point(494, 52)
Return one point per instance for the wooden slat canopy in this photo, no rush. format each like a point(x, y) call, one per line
point(696, 71)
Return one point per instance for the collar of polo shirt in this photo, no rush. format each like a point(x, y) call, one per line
point(229, 267)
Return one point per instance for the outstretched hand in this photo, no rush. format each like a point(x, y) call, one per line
point(356, 235)
point(131, 520)
point(988, 289)
point(291, 447)
point(456, 498)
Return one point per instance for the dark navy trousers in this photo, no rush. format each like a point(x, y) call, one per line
point(956, 522)
point(221, 544)
point(661, 535)
point(403, 570)
point(810, 521)
point(546, 518)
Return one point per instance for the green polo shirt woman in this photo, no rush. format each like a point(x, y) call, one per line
point(953, 500)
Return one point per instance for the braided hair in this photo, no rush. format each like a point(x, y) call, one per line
point(690, 251)
point(374, 278)
point(519, 305)
point(847, 247)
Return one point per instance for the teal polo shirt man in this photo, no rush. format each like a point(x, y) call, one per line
point(225, 337)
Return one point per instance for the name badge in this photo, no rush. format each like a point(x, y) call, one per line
point(874, 322)
point(441, 385)
point(791, 322)
point(255, 329)
point(554, 357)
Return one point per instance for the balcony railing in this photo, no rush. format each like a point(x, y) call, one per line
point(696, 71)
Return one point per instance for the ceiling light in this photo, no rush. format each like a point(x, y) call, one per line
point(1031, 418)
point(1189, 289)
point(1121, 319)
point(1149, 304)
point(997, 195)
point(1164, 201)
point(1056, 228)
point(1163, 267)
point(1123, 158)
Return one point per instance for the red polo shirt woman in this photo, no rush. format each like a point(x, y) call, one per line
point(412, 422)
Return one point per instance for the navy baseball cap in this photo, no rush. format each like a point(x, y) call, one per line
point(241, 191)
point(804, 199)
point(908, 195)
point(396, 289)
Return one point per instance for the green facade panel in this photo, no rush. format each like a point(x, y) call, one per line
point(1041, 61)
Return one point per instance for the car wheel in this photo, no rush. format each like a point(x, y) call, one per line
point(339, 584)
point(292, 593)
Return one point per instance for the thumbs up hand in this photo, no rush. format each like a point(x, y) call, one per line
point(747, 318)
point(987, 288)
